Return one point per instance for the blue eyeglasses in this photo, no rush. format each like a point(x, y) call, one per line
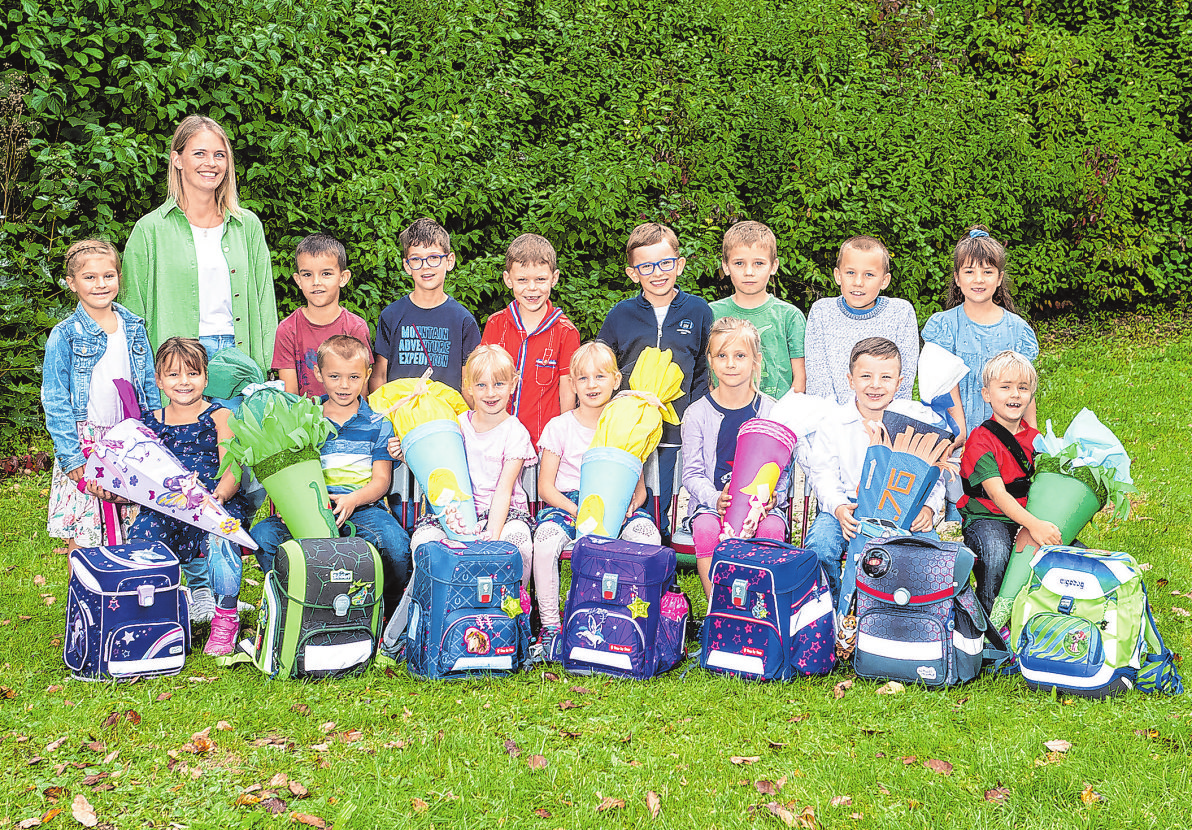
point(645, 269)
point(432, 261)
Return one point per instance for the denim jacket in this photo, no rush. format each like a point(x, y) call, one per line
point(74, 347)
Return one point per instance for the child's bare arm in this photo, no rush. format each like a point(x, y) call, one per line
point(548, 470)
point(1044, 532)
point(567, 399)
point(227, 486)
point(498, 510)
point(380, 371)
point(290, 378)
point(798, 375)
point(639, 495)
point(345, 504)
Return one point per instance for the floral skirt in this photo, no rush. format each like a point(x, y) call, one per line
point(76, 515)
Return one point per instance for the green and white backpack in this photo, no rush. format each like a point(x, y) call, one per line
point(1082, 625)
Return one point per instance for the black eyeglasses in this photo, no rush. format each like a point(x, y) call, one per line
point(432, 261)
point(645, 269)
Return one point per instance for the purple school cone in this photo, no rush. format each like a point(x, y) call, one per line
point(607, 478)
point(435, 453)
point(1067, 503)
point(764, 450)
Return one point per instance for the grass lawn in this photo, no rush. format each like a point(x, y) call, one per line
point(548, 750)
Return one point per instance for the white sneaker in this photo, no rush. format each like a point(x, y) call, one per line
point(202, 606)
point(243, 607)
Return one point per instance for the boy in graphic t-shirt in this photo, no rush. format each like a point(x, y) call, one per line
point(322, 271)
point(426, 327)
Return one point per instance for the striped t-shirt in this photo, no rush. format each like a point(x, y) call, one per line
point(348, 457)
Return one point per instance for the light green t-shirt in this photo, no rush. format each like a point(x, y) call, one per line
point(781, 326)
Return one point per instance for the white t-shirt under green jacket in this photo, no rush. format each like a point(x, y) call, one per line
point(781, 326)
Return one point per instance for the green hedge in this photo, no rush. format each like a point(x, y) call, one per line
point(1063, 126)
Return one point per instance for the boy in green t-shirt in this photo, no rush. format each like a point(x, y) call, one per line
point(750, 258)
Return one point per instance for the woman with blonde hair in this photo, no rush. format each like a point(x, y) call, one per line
point(198, 266)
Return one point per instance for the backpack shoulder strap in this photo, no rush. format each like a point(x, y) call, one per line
point(1158, 672)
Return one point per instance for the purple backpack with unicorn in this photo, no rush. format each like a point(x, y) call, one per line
point(625, 615)
point(771, 616)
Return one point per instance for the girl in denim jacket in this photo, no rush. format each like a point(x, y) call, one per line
point(100, 343)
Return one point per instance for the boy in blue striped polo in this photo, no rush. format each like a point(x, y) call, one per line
point(356, 465)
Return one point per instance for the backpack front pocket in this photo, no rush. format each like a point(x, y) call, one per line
point(1068, 647)
point(906, 646)
point(145, 649)
point(609, 641)
point(743, 645)
point(479, 642)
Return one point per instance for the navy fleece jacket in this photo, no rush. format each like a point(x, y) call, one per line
point(631, 326)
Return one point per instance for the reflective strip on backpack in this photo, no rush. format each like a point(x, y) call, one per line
point(900, 649)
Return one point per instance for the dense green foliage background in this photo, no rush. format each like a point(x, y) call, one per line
point(1064, 125)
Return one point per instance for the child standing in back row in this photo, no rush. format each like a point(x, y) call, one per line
point(980, 320)
point(563, 444)
point(710, 428)
point(322, 271)
point(836, 324)
point(537, 334)
point(750, 258)
point(426, 327)
point(98, 344)
point(665, 317)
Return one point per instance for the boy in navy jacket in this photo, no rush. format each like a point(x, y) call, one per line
point(665, 317)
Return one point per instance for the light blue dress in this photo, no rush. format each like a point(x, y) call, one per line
point(975, 344)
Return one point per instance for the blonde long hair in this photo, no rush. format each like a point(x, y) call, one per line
point(226, 199)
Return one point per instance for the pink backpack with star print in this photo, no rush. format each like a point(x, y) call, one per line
point(625, 615)
point(771, 615)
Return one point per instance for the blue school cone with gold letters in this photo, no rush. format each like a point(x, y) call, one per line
point(435, 452)
point(607, 478)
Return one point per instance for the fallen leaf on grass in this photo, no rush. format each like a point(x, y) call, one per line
point(1090, 796)
point(840, 688)
point(570, 734)
point(278, 780)
point(767, 787)
point(568, 704)
point(419, 805)
point(308, 819)
point(92, 780)
point(320, 747)
point(34, 761)
point(298, 790)
point(998, 794)
point(581, 690)
point(511, 748)
point(536, 762)
point(1175, 609)
point(164, 696)
point(542, 812)
point(328, 726)
point(51, 689)
point(841, 801)
point(881, 788)
point(223, 726)
point(39, 580)
point(199, 744)
point(54, 793)
point(96, 746)
point(247, 800)
point(1058, 746)
point(797, 718)
point(300, 709)
point(398, 744)
point(50, 814)
point(907, 760)
point(273, 806)
point(610, 803)
point(776, 744)
point(891, 688)
point(84, 813)
point(1049, 758)
point(653, 804)
point(27, 823)
point(805, 819)
point(936, 765)
point(550, 675)
point(112, 719)
point(745, 759)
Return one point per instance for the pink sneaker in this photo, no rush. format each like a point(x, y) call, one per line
point(225, 627)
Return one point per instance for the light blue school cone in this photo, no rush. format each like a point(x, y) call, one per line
point(607, 478)
point(435, 453)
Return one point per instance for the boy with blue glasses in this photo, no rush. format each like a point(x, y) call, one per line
point(666, 317)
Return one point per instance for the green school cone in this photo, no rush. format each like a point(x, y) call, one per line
point(300, 494)
point(1067, 503)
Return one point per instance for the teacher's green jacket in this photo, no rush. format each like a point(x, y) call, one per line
point(161, 279)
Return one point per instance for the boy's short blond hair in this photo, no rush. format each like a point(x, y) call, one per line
point(427, 233)
point(1009, 364)
point(531, 249)
point(650, 233)
point(865, 243)
point(594, 354)
point(879, 347)
point(492, 360)
point(186, 352)
point(345, 347)
point(747, 234)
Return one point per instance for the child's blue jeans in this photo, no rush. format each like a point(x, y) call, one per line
point(373, 523)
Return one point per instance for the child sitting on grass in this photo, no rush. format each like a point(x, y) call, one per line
point(996, 467)
point(563, 444)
